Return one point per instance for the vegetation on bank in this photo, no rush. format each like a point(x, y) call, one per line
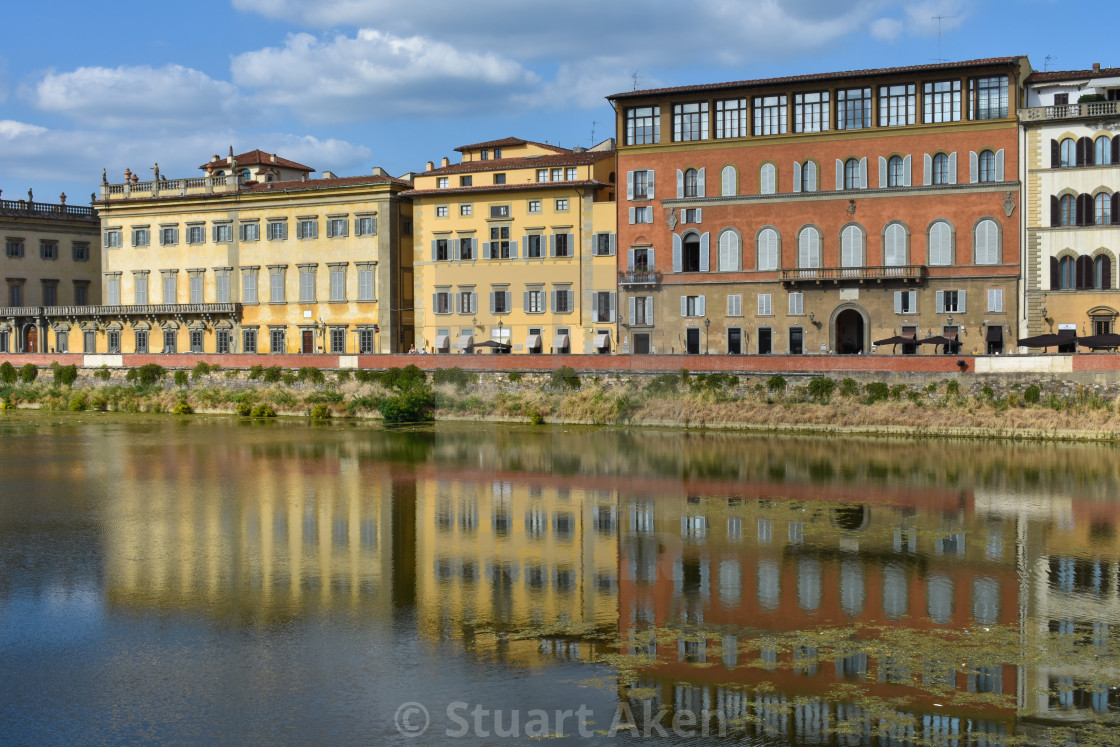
point(409, 395)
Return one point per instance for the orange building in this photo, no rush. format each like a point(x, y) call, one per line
point(820, 213)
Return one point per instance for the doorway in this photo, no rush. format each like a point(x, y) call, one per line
point(692, 341)
point(641, 344)
point(308, 341)
point(765, 341)
point(849, 332)
point(796, 341)
point(32, 340)
point(734, 341)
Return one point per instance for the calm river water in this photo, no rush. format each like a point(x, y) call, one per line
point(212, 581)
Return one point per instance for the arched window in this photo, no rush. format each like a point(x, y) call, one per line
point(987, 166)
point(1067, 273)
point(895, 176)
point(851, 174)
point(940, 244)
point(985, 601)
point(1102, 151)
point(809, 177)
point(1067, 211)
point(767, 179)
point(986, 243)
point(245, 174)
point(1068, 152)
point(767, 249)
point(729, 181)
point(769, 584)
point(851, 587)
point(941, 169)
point(729, 251)
point(851, 246)
point(896, 602)
point(1102, 272)
point(690, 255)
point(1084, 270)
point(939, 599)
point(809, 248)
point(1102, 209)
point(690, 183)
point(894, 245)
point(808, 583)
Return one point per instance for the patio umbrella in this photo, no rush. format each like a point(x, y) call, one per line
point(493, 344)
point(1107, 340)
point(896, 340)
point(1048, 341)
point(936, 340)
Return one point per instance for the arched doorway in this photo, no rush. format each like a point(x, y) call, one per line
point(849, 331)
point(32, 338)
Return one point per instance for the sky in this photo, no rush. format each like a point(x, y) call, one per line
point(346, 85)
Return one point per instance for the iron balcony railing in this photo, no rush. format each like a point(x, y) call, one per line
point(639, 277)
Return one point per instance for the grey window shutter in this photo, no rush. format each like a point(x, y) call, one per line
point(927, 169)
point(612, 307)
point(906, 170)
point(453, 250)
point(435, 303)
point(649, 310)
point(458, 301)
point(649, 183)
point(571, 300)
point(633, 310)
point(433, 250)
point(677, 265)
point(973, 167)
point(999, 166)
point(940, 302)
point(705, 247)
point(572, 245)
point(863, 173)
point(552, 301)
point(552, 245)
point(913, 301)
point(684, 305)
point(796, 176)
point(960, 301)
point(898, 301)
point(513, 250)
point(630, 187)
point(700, 183)
point(525, 301)
point(680, 184)
point(649, 215)
point(474, 302)
point(330, 228)
point(953, 167)
point(486, 249)
point(649, 253)
point(492, 300)
point(631, 216)
point(839, 174)
point(611, 244)
point(630, 259)
point(699, 215)
point(882, 172)
point(700, 307)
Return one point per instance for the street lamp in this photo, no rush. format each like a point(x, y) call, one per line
point(500, 338)
point(707, 323)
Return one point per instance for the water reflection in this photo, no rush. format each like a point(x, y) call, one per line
point(809, 590)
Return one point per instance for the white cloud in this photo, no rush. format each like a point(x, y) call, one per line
point(374, 74)
point(172, 96)
point(886, 29)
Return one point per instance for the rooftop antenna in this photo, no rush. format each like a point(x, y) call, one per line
point(1046, 61)
point(634, 75)
point(593, 123)
point(939, 19)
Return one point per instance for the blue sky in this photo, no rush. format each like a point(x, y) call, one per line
point(344, 85)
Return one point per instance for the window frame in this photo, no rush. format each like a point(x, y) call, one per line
point(690, 121)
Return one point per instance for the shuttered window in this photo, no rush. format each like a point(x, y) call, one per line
point(851, 246)
point(765, 307)
point(338, 283)
point(986, 242)
point(249, 286)
point(767, 249)
point(894, 245)
point(809, 248)
point(729, 251)
point(365, 284)
point(940, 244)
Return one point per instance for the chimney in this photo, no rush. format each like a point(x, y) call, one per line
point(272, 158)
point(445, 162)
point(328, 175)
point(1096, 66)
point(378, 171)
point(214, 158)
point(430, 166)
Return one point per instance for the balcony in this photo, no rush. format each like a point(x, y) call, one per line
point(45, 209)
point(639, 277)
point(205, 185)
point(837, 275)
point(1088, 110)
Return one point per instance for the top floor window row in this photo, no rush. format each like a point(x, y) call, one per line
point(898, 105)
point(274, 229)
point(1085, 151)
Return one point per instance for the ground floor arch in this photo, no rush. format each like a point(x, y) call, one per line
point(849, 331)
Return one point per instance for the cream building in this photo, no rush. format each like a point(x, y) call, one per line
point(255, 257)
point(515, 245)
point(51, 264)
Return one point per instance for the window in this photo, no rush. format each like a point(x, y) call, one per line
point(1102, 151)
point(466, 209)
point(196, 280)
point(196, 234)
point(641, 260)
point(81, 292)
point(852, 174)
point(1067, 273)
point(13, 248)
point(1102, 209)
point(557, 175)
point(767, 179)
point(168, 236)
point(534, 301)
point(441, 182)
point(249, 285)
point(731, 118)
point(113, 288)
point(986, 242)
point(534, 206)
point(692, 259)
point(643, 125)
point(307, 228)
point(140, 288)
point(141, 237)
point(466, 248)
point(561, 245)
point(113, 240)
point(365, 283)
point(80, 250)
point(851, 246)
point(249, 341)
point(222, 341)
point(906, 302)
point(562, 205)
point(249, 232)
point(169, 287)
point(571, 174)
point(170, 341)
point(114, 341)
point(276, 285)
point(499, 211)
point(50, 292)
point(307, 284)
point(337, 227)
point(853, 109)
point(641, 311)
point(441, 250)
point(277, 342)
point(895, 172)
point(729, 181)
point(484, 155)
point(1067, 155)
point(941, 169)
point(796, 304)
point(805, 177)
point(441, 211)
point(1102, 275)
point(542, 176)
point(499, 242)
point(641, 215)
point(365, 341)
point(468, 303)
point(221, 285)
point(729, 252)
point(602, 306)
point(690, 122)
point(223, 233)
point(809, 248)
point(499, 178)
point(767, 249)
point(604, 245)
point(810, 112)
point(941, 101)
point(1067, 211)
point(692, 306)
point(441, 302)
point(338, 283)
point(277, 230)
point(995, 300)
point(500, 302)
point(365, 225)
point(735, 305)
point(896, 105)
point(894, 245)
point(769, 115)
point(563, 299)
point(988, 167)
point(640, 185)
point(48, 249)
point(690, 188)
point(950, 301)
point(988, 97)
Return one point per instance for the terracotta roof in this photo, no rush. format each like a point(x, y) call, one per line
point(504, 188)
point(1050, 76)
point(566, 158)
point(821, 76)
point(509, 142)
point(254, 158)
point(341, 181)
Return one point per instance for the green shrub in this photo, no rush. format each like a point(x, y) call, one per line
point(244, 409)
point(897, 391)
point(8, 373)
point(200, 369)
point(987, 393)
point(821, 389)
point(103, 373)
point(403, 379)
point(953, 388)
point(181, 378)
point(876, 391)
point(776, 384)
point(915, 397)
point(147, 375)
point(28, 373)
point(1032, 395)
point(343, 375)
point(312, 374)
point(65, 375)
point(255, 372)
point(272, 374)
point(289, 378)
point(713, 382)
point(321, 412)
point(78, 401)
point(263, 410)
point(363, 376)
point(536, 417)
point(412, 405)
point(564, 377)
point(1014, 400)
point(457, 377)
point(182, 407)
point(663, 384)
point(848, 387)
point(514, 377)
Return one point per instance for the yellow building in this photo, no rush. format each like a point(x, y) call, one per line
point(515, 244)
point(255, 257)
point(51, 263)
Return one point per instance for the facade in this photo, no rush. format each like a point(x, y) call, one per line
point(515, 245)
point(256, 257)
point(51, 264)
point(820, 213)
point(1071, 178)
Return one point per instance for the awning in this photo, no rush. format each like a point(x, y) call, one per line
point(995, 334)
point(602, 340)
point(910, 334)
point(466, 341)
point(1048, 341)
point(1106, 340)
point(559, 341)
point(442, 342)
point(532, 342)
